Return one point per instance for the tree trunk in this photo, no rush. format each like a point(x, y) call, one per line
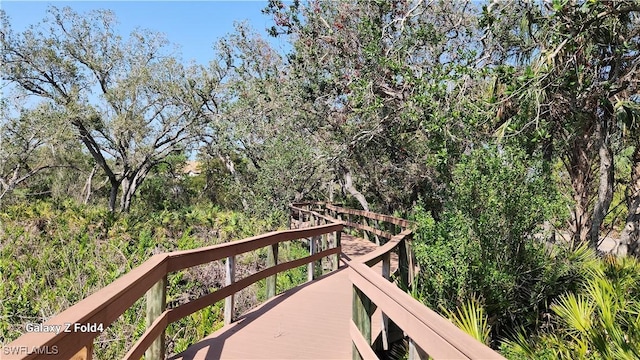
point(348, 185)
point(130, 185)
point(578, 166)
point(113, 194)
point(228, 163)
point(87, 187)
point(630, 233)
point(605, 186)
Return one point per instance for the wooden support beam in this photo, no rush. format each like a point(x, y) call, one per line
point(405, 266)
point(230, 268)
point(337, 245)
point(272, 260)
point(365, 223)
point(386, 273)
point(156, 303)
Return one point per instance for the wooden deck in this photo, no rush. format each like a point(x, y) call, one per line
point(307, 322)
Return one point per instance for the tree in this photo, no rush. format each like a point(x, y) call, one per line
point(574, 62)
point(262, 135)
point(30, 143)
point(384, 83)
point(130, 102)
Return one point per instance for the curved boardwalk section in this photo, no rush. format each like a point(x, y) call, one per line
point(308, 322)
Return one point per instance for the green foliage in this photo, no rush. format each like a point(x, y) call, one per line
point(472, 319)
point(484, 245)
point(53, 255)
point(599, 321)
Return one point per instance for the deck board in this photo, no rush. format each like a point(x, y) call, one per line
point(308, 322)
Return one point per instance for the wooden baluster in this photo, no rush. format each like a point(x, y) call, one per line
point(290, 218)
point(156, 303)
point(365, 233)
point(324, 246)
point(378, 240)
point(312, 250)
point(386, 273)
point(272, 260)
point(336, 264)
point(229, 280)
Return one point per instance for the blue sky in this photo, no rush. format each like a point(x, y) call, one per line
point(193, 25)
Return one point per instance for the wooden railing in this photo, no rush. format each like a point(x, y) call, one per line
point(86, 319)
point(400, 316)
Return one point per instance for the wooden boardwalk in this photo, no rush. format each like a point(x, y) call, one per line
point(334, 317)
point(308, 322)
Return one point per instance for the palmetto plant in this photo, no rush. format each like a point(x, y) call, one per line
point(600, 321)
point(472, 319)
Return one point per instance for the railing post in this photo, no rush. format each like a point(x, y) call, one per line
point(325, 242)
point(365, 222)
point(376, 225)
point(229, 280)
point(156, 303)
point(386, 273)
point(290, 218)
point(312, 250)
point(405, 259)
point(272, 260)
point(336, 264)
point(362, 309)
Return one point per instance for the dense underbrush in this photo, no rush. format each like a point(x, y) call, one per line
point(54, 255)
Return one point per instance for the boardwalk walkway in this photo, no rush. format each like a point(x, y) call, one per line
point(334, 317)
point(307, 322)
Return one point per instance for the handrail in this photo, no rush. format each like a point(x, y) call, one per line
point(106, 305)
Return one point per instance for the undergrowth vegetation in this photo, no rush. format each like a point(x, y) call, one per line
point(53, 255)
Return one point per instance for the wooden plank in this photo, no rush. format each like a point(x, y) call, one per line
point(415, 352)
point(375, 256)
point(86, 353)
point(370, 229)
point(156, 302)
point(371, 215)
